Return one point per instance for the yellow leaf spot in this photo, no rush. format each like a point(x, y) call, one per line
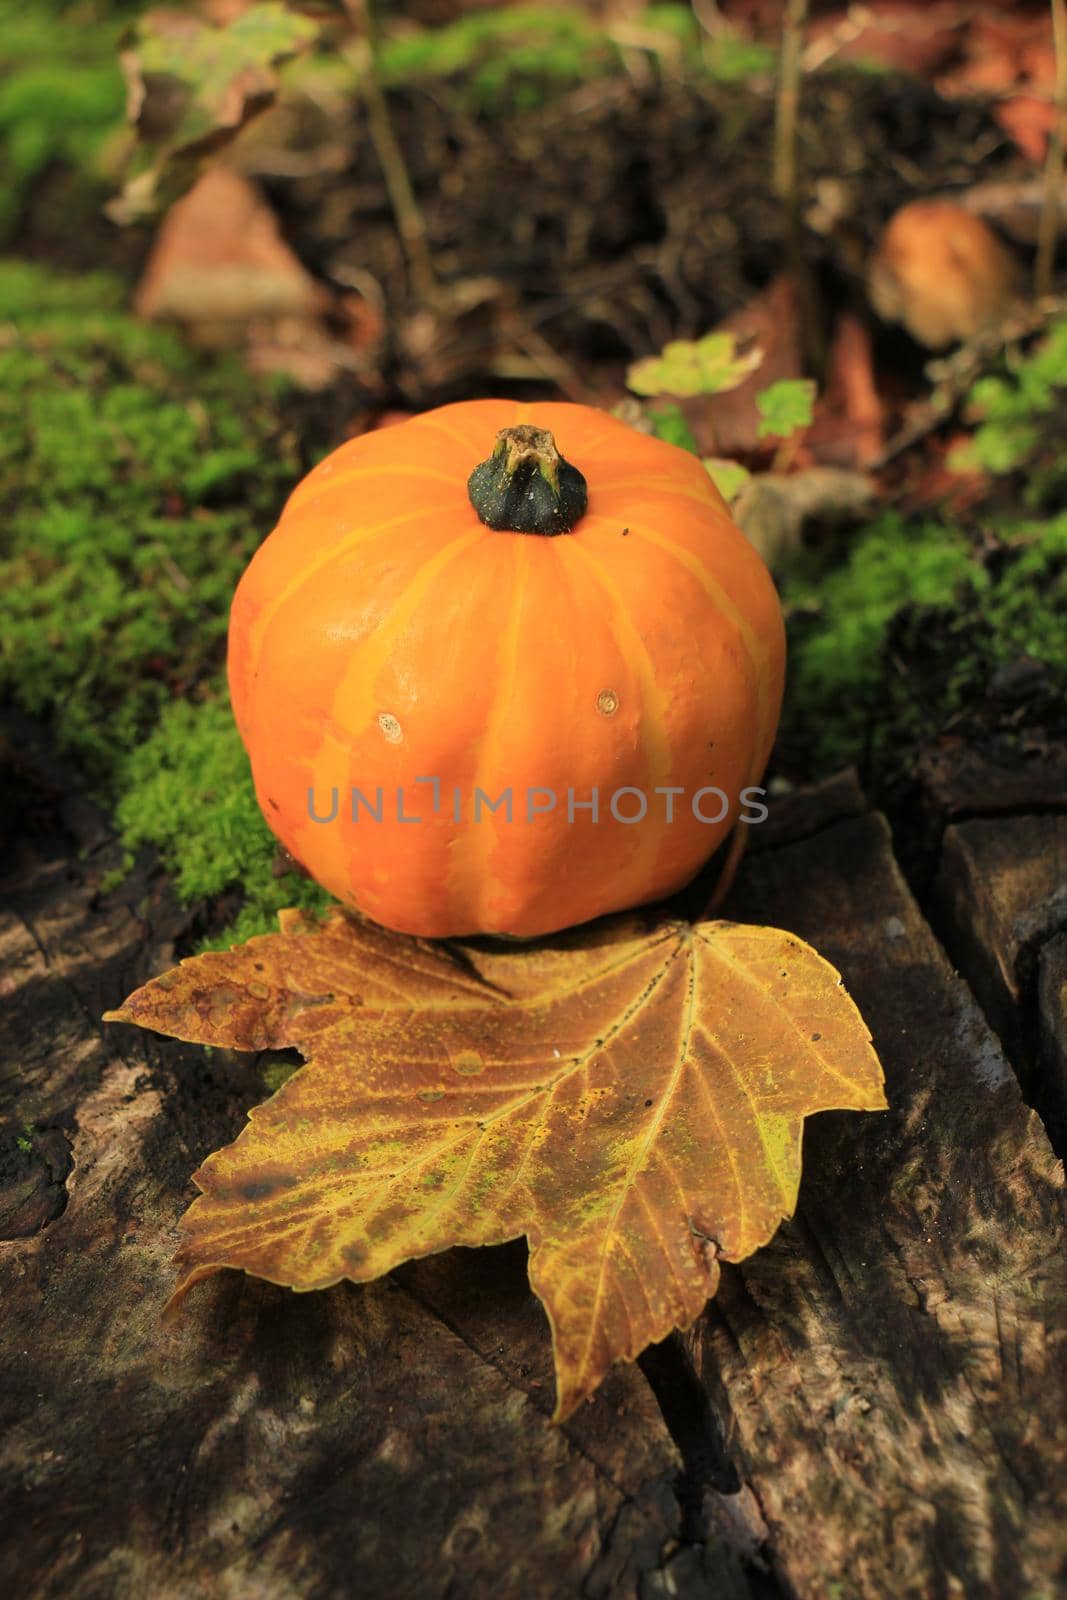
point(468, 1062)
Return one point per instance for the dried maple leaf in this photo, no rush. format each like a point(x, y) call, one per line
point(630, 1100)
point(192, 86)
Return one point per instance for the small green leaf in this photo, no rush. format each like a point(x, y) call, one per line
point(669, 424)
point(785, 406)
point(996, 447)
point(729, 477)
point(687, 367)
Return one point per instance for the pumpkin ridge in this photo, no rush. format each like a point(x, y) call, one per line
point(429, 420)
point(567, 598)
point(483, 836)
point(345, 546)
point(664, 490)
point(315, 491)
point(655, 744)
point(360, 682)
point(757, 655)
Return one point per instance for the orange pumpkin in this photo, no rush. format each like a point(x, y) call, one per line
point(399, 668)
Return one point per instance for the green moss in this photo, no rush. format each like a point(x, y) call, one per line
point(508, 58)
point(136, 479)
point(886, 648)
point(892, 565)
point(1020, 410)
point(1026, 608)
point(187, 791)
point(462, 45)
point(118, 875)
point(908, 633)
point(514, 57)
point(278, 1071)
point(730, 59)
point(61, 94)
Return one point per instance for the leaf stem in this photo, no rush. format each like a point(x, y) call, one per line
point(786, 181)
point(1054, 160)
point(406, 210)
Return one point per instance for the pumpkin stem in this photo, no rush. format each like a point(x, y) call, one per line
point(526, 486)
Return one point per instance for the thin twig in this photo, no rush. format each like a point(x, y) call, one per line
point(1050, 200)
point(786, 179)
point(728, 872)
point(406, 211)
point(711, 19)
point(785, 127)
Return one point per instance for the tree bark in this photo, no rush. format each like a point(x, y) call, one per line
point(875, 1404)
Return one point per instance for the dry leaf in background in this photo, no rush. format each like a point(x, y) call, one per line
point(942, 272)
point(222, 270)
point(192, 85)
point(631, 1100)
point(219, 261)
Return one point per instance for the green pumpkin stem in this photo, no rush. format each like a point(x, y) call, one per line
point(526, 486)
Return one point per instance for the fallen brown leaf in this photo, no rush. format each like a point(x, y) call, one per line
point(192, 85)
point(942, 272)
point(219, 261)
point(630, 1100)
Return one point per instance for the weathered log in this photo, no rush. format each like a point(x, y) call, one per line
point(890, 1375)
point(893, 1367)
point(999, 895)
point(1052, 1031)
point(390, 1440)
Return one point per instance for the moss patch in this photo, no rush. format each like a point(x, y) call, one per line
point(1021, 412)
point(887, 648)
point(516, 57)
point(908, 633)
point(61, 96)
point(136, 479)
point(188, 792)
point(135, 482)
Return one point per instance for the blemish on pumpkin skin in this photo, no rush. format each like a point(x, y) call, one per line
point(390, 727)
point(467, 1062)
point(429, 1095)
point(607, 702)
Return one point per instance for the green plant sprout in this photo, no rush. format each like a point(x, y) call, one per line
point(729, 477)
point(689, 367)
point(61, 102)
point(785, 407)
point(1013, 410)
point(714, 365)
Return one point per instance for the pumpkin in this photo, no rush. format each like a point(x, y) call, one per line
point(487, 687)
